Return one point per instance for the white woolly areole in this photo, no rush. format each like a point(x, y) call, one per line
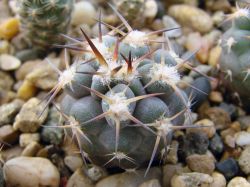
point(136, 39)
point(67, 76)
point(165, 73)
point(119, 107)
point(164, 126)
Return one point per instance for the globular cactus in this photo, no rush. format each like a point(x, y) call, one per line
point(44, 20)
point(234, 60)
point(123, 102)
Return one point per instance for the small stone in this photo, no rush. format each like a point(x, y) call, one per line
point(244, 122)
point(43, 76)
point(96, 173)
point(191, 180)
point(8, 134)
point(31, 149)
point(9, 62)
point(192, 17)
point(172, 157)
point(201, 163)
point(214, 56)
point(83, 9)
point(73, 162)
point(170, 23)
point(229, 168)
point(242, 138)
point(215, 5)
point(151, 9)
point(27, 90)
point(9, 111)
point(218, 180)
point(31, 172)
point(229, 141)
point(26, 68)
point(206, 127)
point(79, 179)
point(9, 28)
point(238, 182)
point(244, 161)
point(4, 46)
point(216, 145)
point(6, 81)
point(194, 143)
point(220, 118)
point(218, 18)
point(49, 133)
point(26, 138)
point(130, 179)
point(29, 118)
point(11, 152)
point(195, 41)
point(169, 170)
point(216, 97)
point(151, 183)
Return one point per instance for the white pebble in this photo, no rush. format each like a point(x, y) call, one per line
point(31, 172)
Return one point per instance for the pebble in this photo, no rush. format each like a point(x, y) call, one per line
point(9, 28)
point(4, 46)
point(29, 120)
point(8, 112)
point(95, 173)
point(12, 152)
point(201, 68)
point(79, 179)
point(172, 157)
point(9, 62)
point(194, 143)
point(130, 179)
point(169, 170)
point(151, 9)
point(151, 183)
point(242, 138)
point(49, 133)
point(219, 116)
point(218, 17)
point(216, 97)
point(19, 172)
point(215, 5)
point(218, 180)
point(27, 90)
point(27, 138)
point(83, 9)
point(192, 16)
point(8, 134)
point(229, 168)
point(201, 163)
point(169, 22)
point(26, 68)
point(244, 161)
point(207, 127)
point(244, 122)
point(238, 182)
point(191, 180)
point(31, 149)
point(6, 81)
point(214, 56)
point(73, 162)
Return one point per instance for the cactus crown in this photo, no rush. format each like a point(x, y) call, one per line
point(120, 95)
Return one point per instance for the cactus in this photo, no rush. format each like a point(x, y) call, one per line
point(44, 20)
point(234, 60)
point(123, 102)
